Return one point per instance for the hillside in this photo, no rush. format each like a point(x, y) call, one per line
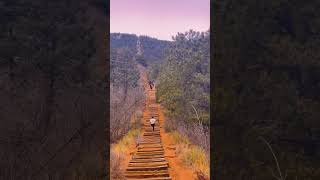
point(143, 48)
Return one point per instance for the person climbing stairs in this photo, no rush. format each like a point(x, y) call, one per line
point(149, 161)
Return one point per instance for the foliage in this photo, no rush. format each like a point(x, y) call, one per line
point(179, 138)
point(116, 170)
point(122, 40)
point(196, 158)
point(141, 60)
point(153, 50)
point(191, 155)
point(266, 84)
point(183, 86)
point(183, 83)
point(124, 72)
point(126, 94)
point(119, 150)
point(144, 49)
point(123, 144)
point(52, 91)
point(123, 107)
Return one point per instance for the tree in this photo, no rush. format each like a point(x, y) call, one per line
point(49, 85)
point(184, 82)
point(265, 71)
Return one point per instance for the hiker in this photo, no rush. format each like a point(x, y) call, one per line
point(152, 122)
point(150, 84)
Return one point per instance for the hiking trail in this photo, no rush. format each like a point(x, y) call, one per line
point(148, 161)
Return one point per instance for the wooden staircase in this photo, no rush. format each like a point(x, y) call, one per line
point(149, 161)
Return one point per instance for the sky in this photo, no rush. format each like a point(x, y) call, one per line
point(160, 19)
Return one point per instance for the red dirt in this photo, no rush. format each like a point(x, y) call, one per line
point(176, 170)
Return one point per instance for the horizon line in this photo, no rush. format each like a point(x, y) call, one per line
point(151, 36)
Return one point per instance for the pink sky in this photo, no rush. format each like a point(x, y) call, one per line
point(159, 18)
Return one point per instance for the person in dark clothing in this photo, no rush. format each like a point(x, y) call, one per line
point(150, 84)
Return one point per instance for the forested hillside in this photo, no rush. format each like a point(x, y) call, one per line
point(183, 85)
point(144, 49)
point(181, 71)
point(121, 40)
point(53, 79)
point(126, 94)
point(266, 84)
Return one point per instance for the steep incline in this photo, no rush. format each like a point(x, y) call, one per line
point(149, 161)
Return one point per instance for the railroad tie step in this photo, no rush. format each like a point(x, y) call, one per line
point(150, 150)
point(148, 164)
point(146, 149)
point(147, 174)
point(149, 146)
point(154, 160)
point(147, 168)
point(152, 137)
point(152, 134)
point(149, 154)
point(159, 178)
point(137, 157)
point(151, 141)
point(142, 143)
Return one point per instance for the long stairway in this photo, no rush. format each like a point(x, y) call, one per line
point(149, 162)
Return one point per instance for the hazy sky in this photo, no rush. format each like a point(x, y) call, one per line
point(159, 18)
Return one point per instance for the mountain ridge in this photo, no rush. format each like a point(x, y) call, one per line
point(144, 48)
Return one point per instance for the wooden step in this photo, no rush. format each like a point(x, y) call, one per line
point(158, 178)
point(146, 174)
point(151, 134)
point(148, 160)
point(154, 141)
point(150, 146)
point(148, 168)
point(140, 155)
point(151, 164)
point(151, 138)
point(149, 154)
point(151, 150)
point(136, 157)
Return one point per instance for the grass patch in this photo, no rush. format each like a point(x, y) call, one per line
point(179, 138)
point(118, 152)
point(191, 155)
point(123, 145)
point(116, 170)
point(136, 119)
point(196, 157)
